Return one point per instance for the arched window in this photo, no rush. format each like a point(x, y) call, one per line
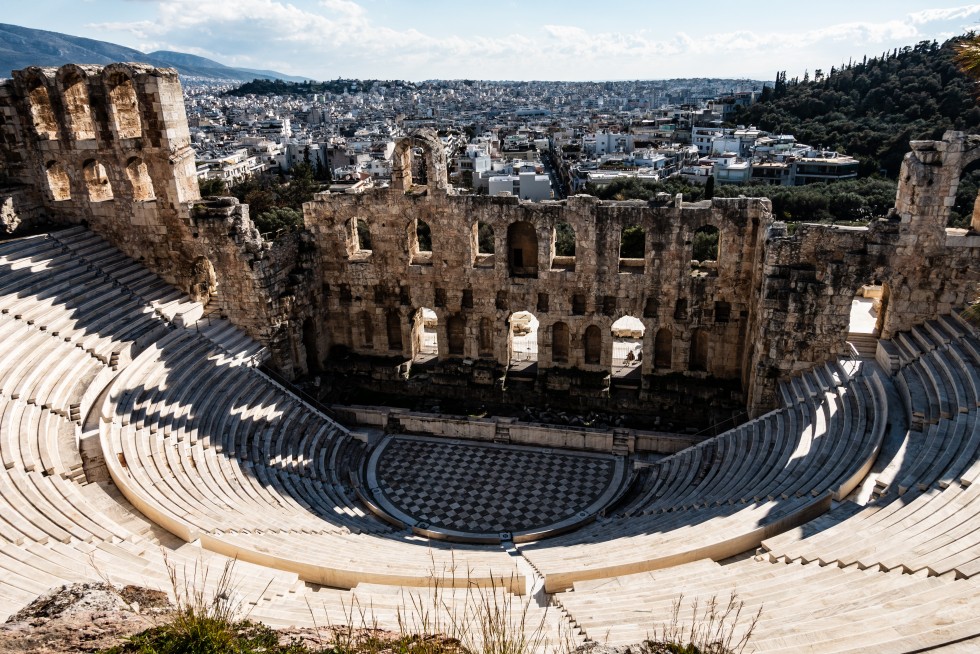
point(97, 181)
point(663, 346)
point(523, 338)
point(522, 249)
point(559, 342)
point(125, 107)
point(358, 238)
point(42, 114)
point(139, 179)
point(78, 107)
point(705, 245)
point(420, 242)
point(632, 249)
point(425, 335)
point(367, 329)
point(563, 247)
point(592, 344)
point(699, 350)
point(627, 346)
point(484, 245)
point(58, 182)
point(456, 335)
point(393, 324)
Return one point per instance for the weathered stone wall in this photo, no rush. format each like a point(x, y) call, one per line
point(109, 147)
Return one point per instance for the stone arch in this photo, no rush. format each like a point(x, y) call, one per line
point(427, 140)
point(559, 342)
point(522, 336)
point(456, 335)
point(627, 344)
point(563, 247)
point(97, 181)
point(706, 244)
point(366, 323)
point(123, 103)
point(58, 182)
point(663, 349)
point(77, 106)
point(522, 249)
point(42, 113)
point(139, 179)
point(592, 345)
point(632, 249)
point(699, 350)
point(393, 326)
point(425, 333)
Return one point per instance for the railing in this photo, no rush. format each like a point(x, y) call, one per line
point(306, 397)
point(715, 428)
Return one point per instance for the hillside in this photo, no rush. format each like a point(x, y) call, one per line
point(21, 47)
point(873, 108)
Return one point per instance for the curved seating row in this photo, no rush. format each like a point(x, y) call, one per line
point(727, 494)
point(805, 608)
point(928, 518)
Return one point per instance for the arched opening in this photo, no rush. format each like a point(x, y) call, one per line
point(313, 363)
point(522, 249)
point(699, 351)
point(420, 242)
point(366, 323)
point(420, 167)
point(663, 349)
point(592, 345)
point(523, 333)
point(486, 337)
point(456, 335)
point(632, 249)
point(705, 245)
point(42, 113)
point(559, 342)
point(78, 107)
point(393, 324)
point(124, 107)
point(627, 348)
point(425, 337)
point(563, 247)
point(484, 245)
point(358, 238)
point(58, 182)
point(97, 181)
point(868, 308)
point(139, 178)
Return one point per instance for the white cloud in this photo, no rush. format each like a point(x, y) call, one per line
point(340, 37)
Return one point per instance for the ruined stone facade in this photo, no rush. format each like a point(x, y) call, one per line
point(110, 147)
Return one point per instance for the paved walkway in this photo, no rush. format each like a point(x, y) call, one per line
point(471, 491)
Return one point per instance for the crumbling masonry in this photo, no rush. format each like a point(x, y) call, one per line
point(109, 147)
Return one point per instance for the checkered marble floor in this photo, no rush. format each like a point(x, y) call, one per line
point(482, 488)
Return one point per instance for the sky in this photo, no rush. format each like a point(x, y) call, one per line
point(508, 39)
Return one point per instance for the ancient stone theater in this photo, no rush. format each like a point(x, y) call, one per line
point(169, 381)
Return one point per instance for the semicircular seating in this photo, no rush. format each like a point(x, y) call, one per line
point(858, 553)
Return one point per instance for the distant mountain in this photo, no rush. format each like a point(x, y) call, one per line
point(21, 47)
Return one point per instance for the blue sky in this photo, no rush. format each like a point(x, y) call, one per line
point(506, 39)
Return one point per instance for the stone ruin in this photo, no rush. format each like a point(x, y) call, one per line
point(109, 147)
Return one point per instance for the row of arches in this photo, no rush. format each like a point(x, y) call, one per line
point(522, 245)
point(123, 102)
point(567, 346)
point(96, 180)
